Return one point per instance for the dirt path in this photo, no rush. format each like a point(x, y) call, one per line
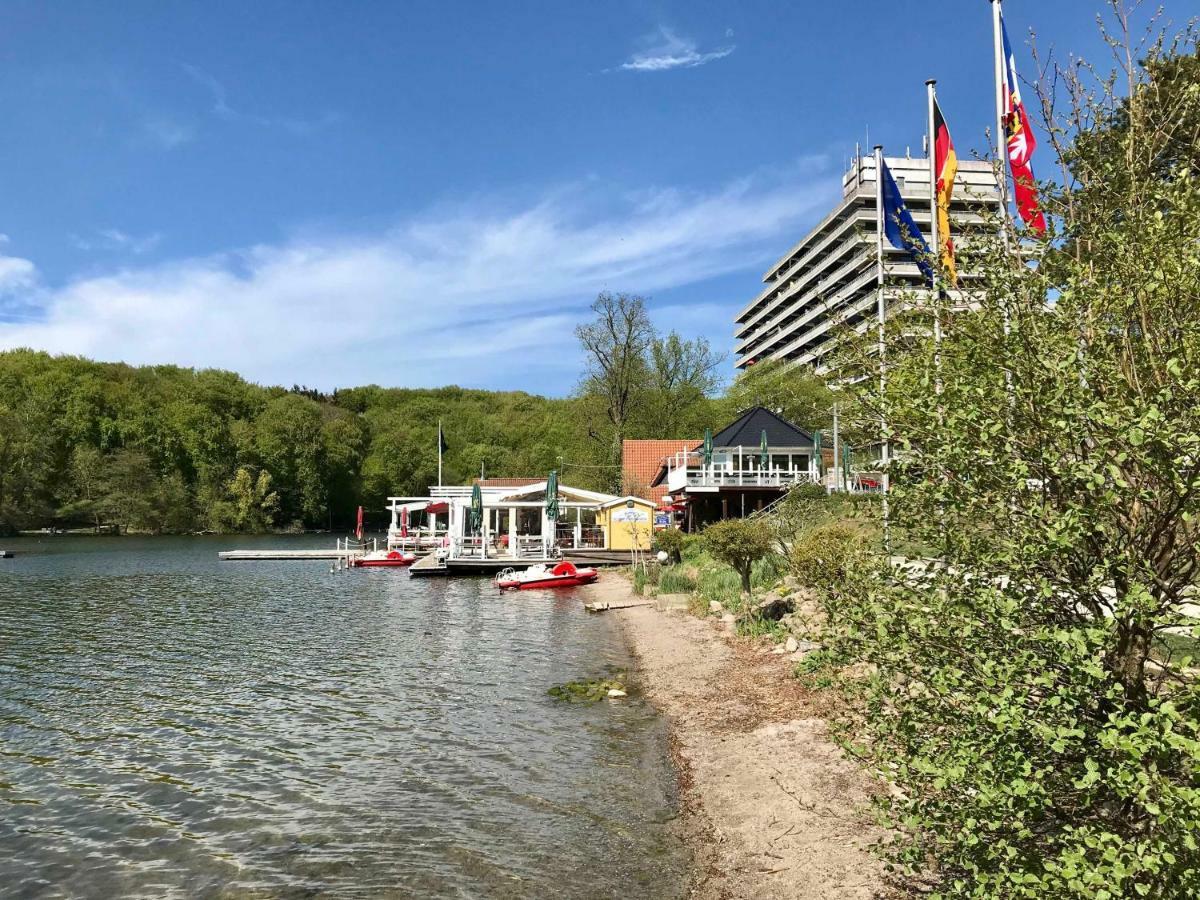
point(770, 804)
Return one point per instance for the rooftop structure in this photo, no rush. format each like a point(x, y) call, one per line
point(828, 279)
point(641, 460)
point(735, 482)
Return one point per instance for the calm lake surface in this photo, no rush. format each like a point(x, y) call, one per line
point(171, 725)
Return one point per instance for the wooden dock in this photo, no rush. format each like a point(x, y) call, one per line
point(6, 554)
point(428, 567)
point(252, 555)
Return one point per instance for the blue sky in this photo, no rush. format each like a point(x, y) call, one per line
point(424, 193)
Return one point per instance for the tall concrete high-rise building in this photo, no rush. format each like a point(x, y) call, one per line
point(828, 279)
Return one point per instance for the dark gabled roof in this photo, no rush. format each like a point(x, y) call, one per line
point(747, 431)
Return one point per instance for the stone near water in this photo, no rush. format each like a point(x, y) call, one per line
point(614, 693)
point(673, 602)
point(791, 646)
point(715, 606)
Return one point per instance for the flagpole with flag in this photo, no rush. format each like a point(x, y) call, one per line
point(881, 310)
point(1001, 131)
point(935, 237)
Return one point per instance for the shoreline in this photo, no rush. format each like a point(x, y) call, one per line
point(770, 807)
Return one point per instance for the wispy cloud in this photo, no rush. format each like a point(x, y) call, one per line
point(222, 109)
point(667, 50)
point(114, 239)
point(477, 294)
point(167, 133)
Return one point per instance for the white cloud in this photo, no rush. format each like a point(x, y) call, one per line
point(222, 109)
point(472, 295)
point(16, 274)
point(167, 133)
point(666, 50)
point(114, 239)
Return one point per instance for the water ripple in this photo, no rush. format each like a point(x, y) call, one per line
point(171, 726)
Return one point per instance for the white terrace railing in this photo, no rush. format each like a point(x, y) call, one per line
point(724, 475)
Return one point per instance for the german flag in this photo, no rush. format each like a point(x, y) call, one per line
point(945, 164)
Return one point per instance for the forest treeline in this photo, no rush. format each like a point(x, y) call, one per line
point(171, 449)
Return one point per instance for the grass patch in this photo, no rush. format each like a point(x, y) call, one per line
point(1169, 645)
point(757, 626)
point(676, 580)
point(818, 669)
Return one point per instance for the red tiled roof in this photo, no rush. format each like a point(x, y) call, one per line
point(641, 460)
point(506, 482)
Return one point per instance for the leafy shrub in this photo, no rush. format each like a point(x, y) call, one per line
point(823, 556)
point(809, 492)
point(670, 541)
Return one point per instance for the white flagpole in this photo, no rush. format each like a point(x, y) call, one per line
point(1002, 161)
point(1001, 133)
point(935, 226)
point(935, 239)
point(881, 310)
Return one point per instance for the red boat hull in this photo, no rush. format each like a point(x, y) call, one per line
point(582, 576)
point(397, 561)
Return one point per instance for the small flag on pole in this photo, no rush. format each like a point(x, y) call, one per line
point(945, 164)
point(442, 445)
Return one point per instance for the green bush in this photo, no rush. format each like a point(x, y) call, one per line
point(808, 492)
point(823, 556)
point(670, 541)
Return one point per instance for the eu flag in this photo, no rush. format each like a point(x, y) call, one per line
point(901, 230)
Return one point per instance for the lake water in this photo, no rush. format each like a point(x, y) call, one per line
point(171, 725)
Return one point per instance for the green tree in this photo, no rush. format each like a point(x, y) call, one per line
point(681, 375)
point(615, 344)
point(739, 543)
point(252, 504)
point(87, 486)
point(791, 391)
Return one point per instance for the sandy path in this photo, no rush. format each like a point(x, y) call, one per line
point(771, 805)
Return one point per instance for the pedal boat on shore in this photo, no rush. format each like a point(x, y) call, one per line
point(565, 574)
point(384, 559)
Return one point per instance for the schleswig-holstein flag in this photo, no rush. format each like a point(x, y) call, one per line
point(1021, 142)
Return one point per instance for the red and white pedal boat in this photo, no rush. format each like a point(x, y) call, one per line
point(384, 559)
point(565, 574)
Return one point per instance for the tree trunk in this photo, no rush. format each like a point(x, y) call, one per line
point(1128, 658)
point(744, 571)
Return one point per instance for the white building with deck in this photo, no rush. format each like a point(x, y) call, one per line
point(740, 477)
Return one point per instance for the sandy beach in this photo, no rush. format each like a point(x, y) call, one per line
point(770, 805)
